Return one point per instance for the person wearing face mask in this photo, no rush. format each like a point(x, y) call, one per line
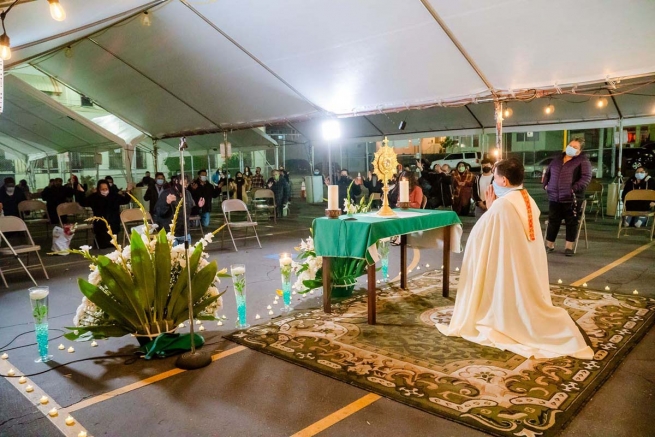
point(113, 188)
point(257, 181)
point(54, 195)
point(154, 190)
point(343, 183)
point(640, 181)
point(281, 190)
point(462, 189)
point(247, 175)
point(78, 190)
point(503, 297)
point(107, 205)
point(10, 197)
point(167, 203)
point(240, 183)
point(480, 186)
point(565, 181)
point(202, 188)
point(373, 185)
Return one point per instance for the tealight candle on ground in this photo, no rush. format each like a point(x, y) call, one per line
point(559, 281)
point(224, 317)
point(293, 292)
point(269, 307)
point(29, 389)
point(94, 343)
point(61, 347)
point(181, 325)
point(442, 267)
point(271, 312)
point(584, 285)
point(257, 316)
point(11, 372)
point(53, 413)
point(44, 400)
point(635, 292)
point(607, 288)
point(427, 266)
point(275, 302)
point(457, 269)
point(4, 356)
point(70, 421)
point(198, 322)
point(418, 267)
point(220, 323)
point(71, 350)
point(81, 434)
point(202, 328)
point(22, 380)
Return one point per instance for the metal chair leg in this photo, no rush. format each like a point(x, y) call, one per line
point(232, 237)
point(254, 228)
point(3, 279)
point(42, 266)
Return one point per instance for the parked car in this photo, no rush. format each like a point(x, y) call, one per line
point(471, 158)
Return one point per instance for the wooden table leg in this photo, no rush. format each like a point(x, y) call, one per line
point(446, 261)
point(403, 262)
point(327, 284)
point(371, 294)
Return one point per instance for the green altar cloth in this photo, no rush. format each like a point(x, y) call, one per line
point(352, 236)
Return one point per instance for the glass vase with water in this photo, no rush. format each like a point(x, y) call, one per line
point(39, 301)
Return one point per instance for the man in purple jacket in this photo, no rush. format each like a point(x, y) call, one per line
point(565, 182)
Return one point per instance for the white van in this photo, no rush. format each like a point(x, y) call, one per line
point(471, 158)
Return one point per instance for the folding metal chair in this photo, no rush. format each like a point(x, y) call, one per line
point(236, 205)
point(130, 216)
point(424, 202)
point(75, 209)
point(638, 195)
point(594, 197)
point(38, 213)
point(264, 200)
point(14, 224)
point(582, 225)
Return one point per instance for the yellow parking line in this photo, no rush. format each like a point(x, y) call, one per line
point(140, 384)
point(610, 266)
point(337, 416)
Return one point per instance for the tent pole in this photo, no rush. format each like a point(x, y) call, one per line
point(209, 165)
point(601, 144)
point(620, 146)
point(311, 147)
point(613, 172)
point(277, 157)
point(155, 154)
point(330, 163)
point(498, 106)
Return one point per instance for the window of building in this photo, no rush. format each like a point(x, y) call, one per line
point(141, 159)
point(527, 136)
point(115, 159)
point(82, 160)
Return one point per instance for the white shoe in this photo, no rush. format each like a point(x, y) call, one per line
point(638, 223)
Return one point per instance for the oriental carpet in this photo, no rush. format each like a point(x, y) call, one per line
point(405, 358)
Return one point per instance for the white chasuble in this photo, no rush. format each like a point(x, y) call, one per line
point(503, 298)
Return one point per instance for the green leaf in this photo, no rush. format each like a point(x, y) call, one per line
point(100, 331)
point(144, 275)
point(162, 273)
point(200, 282)
point(120, 311)
point(178, 291)
point(120, 285)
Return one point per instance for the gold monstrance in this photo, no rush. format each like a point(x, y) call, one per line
point(384, 166)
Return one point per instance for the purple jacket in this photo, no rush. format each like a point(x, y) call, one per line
point(562, 180)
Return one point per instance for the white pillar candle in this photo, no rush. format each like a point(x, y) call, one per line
point(404, 191)
point(333, 197)
point(285, 259)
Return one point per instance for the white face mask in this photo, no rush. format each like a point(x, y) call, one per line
point(571, 151)
point(10, 190)
point(640, 176)
point(203, 178)
point(160, 182)
point(501, 191)
point(104, 193)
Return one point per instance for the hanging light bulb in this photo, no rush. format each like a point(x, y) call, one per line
point(5, 50)
point(507, 112)
point(601, 102)
point(549, 109)
point(145, 19)
point(56, 10)
point(68, 52)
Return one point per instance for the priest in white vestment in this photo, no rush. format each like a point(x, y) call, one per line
point(503, 298)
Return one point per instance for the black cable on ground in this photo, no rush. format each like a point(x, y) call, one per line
point(2, 349)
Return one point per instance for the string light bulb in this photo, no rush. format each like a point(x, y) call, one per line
point(145, 19)
point(68, 52)
point(601, 102)
point(5, 49)
point(549, 109)
point(507, 113)
point(57, 11)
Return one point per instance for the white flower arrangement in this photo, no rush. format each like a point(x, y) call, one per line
point(142, 288)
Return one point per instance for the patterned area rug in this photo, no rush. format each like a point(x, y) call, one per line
point(405, 358)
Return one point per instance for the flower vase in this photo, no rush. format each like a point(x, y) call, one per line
point(383, 251)
point(39, 301)
point(239, 279)
point(285, 274)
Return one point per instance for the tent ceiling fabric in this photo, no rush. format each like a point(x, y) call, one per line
point(33, 123)
point(205, 66)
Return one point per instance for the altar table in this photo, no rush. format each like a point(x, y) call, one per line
point(351, 237)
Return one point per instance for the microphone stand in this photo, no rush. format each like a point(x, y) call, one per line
point(193, 359)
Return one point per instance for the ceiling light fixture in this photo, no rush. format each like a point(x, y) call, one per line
point(507, 113)
point(145, 19)
point(601, 102)
point(5, 50)
point(68, 52)
point(56, 10)
point(549, 109)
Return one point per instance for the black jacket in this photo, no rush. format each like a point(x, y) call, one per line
point(152, 195)
point(55, 196)
point(634, 184)
point(10, 203)
point(108, 207)
point(208, 191)
point(164, 212)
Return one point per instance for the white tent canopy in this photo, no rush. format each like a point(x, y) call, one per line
point(204, 67)
point(33, 125)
